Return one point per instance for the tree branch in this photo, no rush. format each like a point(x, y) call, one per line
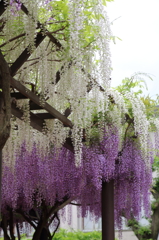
point(26, 218)
point(58, 224)
point(12, 39)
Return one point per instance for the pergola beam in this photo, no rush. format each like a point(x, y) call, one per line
point(36, 99)
point(25, 54)
point(44, 115)
point(40, 36)
point(17, 95)
point(40, 26)
point(35, 122)
point(68, 144)
point(34, 106)
point(2, 7)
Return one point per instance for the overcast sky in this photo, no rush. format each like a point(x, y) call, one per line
point(138, 27)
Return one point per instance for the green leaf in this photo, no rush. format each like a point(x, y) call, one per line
point(104, 2)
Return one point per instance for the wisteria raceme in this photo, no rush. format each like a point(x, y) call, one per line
point(132, 183)
point(53, 175)
point(75, 61)
point(17, 3)
point(15, 6)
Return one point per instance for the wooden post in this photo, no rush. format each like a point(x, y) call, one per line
point(0, 181)
point(1, 104)
point(107, 202)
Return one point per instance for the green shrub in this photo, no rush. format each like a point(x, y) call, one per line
point(65, 235)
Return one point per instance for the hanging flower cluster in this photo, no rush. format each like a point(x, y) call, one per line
point(53, 175)
point(80, 55)
point(132, 183)
point(73, 73)
point(15, 6)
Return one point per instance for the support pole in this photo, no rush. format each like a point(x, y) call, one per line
point(1, 104)
point(0, 182)
point(107, 198)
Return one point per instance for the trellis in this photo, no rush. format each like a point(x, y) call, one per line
point(48, 112)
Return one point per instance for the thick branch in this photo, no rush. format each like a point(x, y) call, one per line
point(59, 206)
point(58, 224)
point(26, 218)
point(36, 99)
point(12, 39)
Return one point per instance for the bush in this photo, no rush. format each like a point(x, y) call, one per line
point(65, 235)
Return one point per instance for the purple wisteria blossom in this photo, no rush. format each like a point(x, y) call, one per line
point(50, 177)
point(133, 180)
point(47, 1)
point(15, 6)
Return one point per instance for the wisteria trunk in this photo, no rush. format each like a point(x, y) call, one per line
point(38, 232)
point(45, 234)
point(42, 234)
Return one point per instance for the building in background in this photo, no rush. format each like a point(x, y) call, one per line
point(90, 224)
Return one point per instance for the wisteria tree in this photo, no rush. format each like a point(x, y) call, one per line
point(55, 57)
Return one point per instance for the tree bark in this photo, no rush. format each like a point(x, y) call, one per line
point(38, 232)
point(5, 101)
point(45, 234)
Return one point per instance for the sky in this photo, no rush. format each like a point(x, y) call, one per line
point(137, 25)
